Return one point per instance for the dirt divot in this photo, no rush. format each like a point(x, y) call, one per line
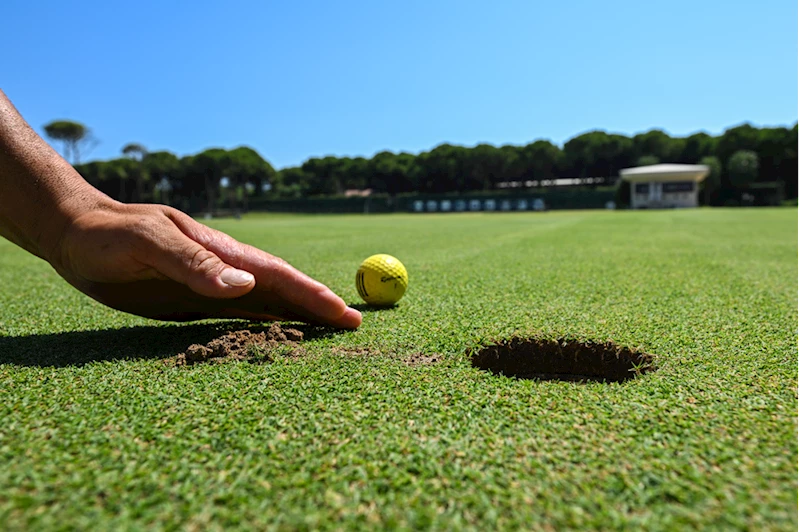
point(565, 360)
point(244, 344)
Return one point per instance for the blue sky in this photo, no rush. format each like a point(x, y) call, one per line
point(296, 79)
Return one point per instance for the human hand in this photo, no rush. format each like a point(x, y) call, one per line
point(157, 262)
point(149, 260)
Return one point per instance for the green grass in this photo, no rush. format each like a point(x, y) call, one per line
point(97, 432)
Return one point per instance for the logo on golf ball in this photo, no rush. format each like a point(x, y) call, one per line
point(381, 280)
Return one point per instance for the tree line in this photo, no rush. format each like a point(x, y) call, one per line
point(739, 157)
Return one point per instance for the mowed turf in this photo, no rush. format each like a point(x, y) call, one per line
point(98, 432)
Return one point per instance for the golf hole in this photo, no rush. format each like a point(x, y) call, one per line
point(563, 360)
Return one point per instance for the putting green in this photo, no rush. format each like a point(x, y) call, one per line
point(391, 426)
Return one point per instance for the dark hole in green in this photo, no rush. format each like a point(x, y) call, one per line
point(564, 360)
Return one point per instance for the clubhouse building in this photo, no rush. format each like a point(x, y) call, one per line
point(665, 186)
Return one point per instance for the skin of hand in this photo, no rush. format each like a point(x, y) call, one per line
point(148, 260)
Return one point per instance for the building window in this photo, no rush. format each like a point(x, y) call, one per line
point(642, 188)
point(678, 186)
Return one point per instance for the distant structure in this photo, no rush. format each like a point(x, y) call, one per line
point(358, 193)
point(665, 186)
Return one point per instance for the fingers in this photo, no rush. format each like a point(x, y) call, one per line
point(280, 288)
point(303, 295)
point(157, 262)
point(186, 261)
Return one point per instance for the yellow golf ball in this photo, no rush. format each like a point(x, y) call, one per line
point(381, 280)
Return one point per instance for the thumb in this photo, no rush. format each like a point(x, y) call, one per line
point(188, 262)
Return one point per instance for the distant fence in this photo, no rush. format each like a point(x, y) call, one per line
point(567, 198)
point(572, 198)
point(373, 204)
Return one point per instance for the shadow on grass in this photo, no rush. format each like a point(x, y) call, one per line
point(365, 307)
point(130, 343)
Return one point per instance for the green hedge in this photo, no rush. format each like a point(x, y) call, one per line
point(374, 204)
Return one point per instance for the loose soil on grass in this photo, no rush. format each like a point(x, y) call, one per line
point(243, 345)
point(422, 359)
point(522, 358)
point(414, 359)
point(565, 360)
point(254, 345)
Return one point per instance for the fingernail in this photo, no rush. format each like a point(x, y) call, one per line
point(352, 317)
point(234, 277)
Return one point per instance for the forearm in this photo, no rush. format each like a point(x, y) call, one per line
point(39, 191)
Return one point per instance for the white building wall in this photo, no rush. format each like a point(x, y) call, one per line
point(668, 200)
point(680, 199)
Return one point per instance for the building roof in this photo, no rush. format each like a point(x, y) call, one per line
point(665, 172)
